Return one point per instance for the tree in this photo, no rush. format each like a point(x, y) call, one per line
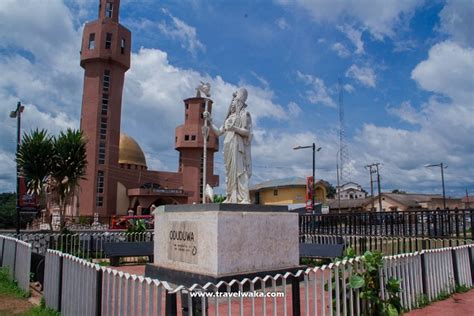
point(35, 158)
point(7, 210)
point(398, 191)
point(69, 166)
point(59, 162)
point(218, 199)
point(331, 191)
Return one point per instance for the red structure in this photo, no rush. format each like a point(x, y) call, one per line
point(117, 177)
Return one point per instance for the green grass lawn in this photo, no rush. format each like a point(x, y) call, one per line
point(14, 301)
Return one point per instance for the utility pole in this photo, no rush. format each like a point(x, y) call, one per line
point(371, 187)
point(374, 168)
point(378, 185)
point(442, 166)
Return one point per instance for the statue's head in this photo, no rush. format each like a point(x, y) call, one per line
point(241, 95)
point(238, 101)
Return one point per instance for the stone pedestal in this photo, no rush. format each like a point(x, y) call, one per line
point(214, 242)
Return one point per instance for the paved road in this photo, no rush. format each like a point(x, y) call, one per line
point(458, 304)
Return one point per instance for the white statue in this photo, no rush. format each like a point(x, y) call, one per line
point(237, 128)
point(204, 88)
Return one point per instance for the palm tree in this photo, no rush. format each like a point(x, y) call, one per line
point(69, 166)
point(59, 162)
point(35, 160)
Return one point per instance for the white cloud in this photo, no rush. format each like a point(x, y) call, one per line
point(264, 82)
point(365, 75)
point(154, 87)
point(40, 69)
point(48, 81)
point(349, 88)
point(7, 170)
point(444, 127)
point(380, 18)
point(406, 113)
point(457, 21)
point(183, 32)
point(293, 109)
point(404, 45)
point(319, 93)
point(282, 23)
point(341, 50)
point(355, 36)
point(448, 70)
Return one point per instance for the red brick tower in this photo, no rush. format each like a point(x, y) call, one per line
point(189, 142)
point(105, 57)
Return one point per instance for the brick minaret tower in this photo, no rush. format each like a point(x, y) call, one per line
point(189, 142)
point(105, 57)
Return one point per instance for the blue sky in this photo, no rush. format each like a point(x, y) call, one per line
point(406, 67)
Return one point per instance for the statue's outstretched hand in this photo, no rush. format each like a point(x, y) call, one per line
point(207, 116)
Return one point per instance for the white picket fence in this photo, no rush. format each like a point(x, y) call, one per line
point(463, 263)
point(78, 287)
point(16, 257)
point(129, 294)
point(407, 268)
point(53, 266)
point(323, 291)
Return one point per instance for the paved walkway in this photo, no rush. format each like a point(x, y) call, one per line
point(458, 305)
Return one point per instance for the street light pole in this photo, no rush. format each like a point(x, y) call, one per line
point(314, 165)
point(442, 166)
point(442, 181)
point(338, 188)
point(17, 114)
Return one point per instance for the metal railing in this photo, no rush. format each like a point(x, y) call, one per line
point(388, 246)
point(415, 223)
point(81, 244)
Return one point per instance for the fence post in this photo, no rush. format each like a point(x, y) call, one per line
point(295, 295)
point(171, 304)
point(3, 248)
point(60, 280)
point(471, 263)
point(98, 294)
point(196, 304)
point(455, 267)
point(424, 277)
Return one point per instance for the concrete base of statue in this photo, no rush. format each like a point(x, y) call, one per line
point(214, 242)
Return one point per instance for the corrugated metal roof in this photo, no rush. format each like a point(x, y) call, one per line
point(293, 181)
point(410, 199)
point(349, 203)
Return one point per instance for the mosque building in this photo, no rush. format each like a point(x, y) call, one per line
point(117, 176)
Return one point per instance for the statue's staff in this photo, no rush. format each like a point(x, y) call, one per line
point(206, 89)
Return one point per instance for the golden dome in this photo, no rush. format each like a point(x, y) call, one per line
point(130, 152)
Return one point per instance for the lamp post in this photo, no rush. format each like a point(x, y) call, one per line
point(338, 188)
point(442, 167)
point(17, 114)
point(314, 161)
